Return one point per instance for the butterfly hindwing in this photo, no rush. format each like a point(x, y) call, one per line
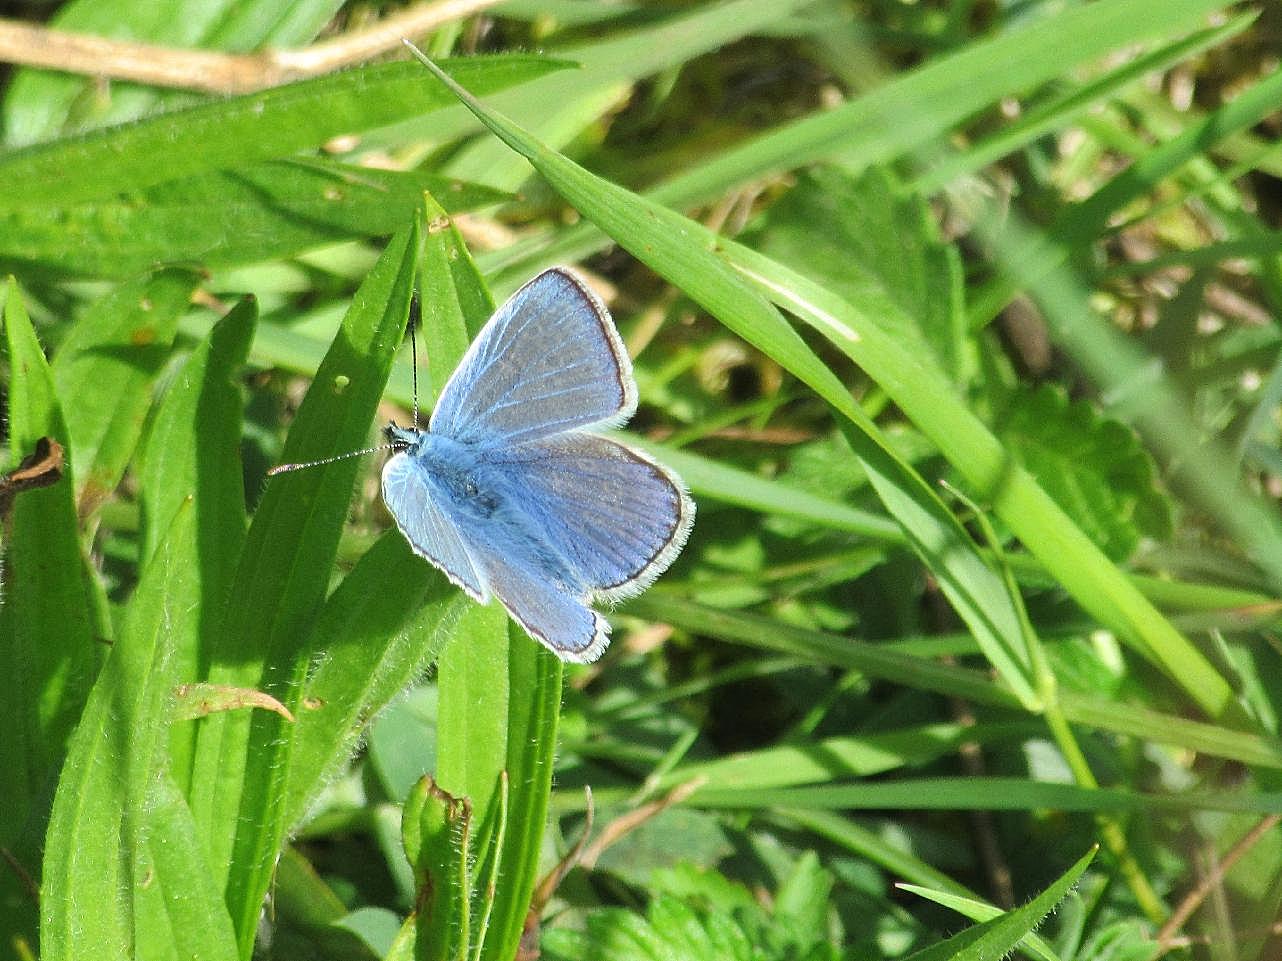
point(558, 618)
point(617, 517)
point(431, 533)
point(549, 360)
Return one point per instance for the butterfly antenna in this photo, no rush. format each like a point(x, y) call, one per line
point(416, 316)
point(286, 468)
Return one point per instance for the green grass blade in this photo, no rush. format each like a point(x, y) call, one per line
point(49, 630)
point(100, 810)
point(534, 707)
point(500, 692)
point(998, 937)
point(179, 911)
point(39, 104)
point(979, 794)
point(977, 910)
point(118, 346)
point(236, 132)
point(192, 460)
point(237, 790)
point(265, 211)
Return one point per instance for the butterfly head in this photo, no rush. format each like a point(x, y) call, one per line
point(402, 438)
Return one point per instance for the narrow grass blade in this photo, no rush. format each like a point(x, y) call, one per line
point(996, 938)
point(237, 791)
point(233, 133)
point(265, 211)
point(500, 692)
point(978, 794)
point(191, 461)
point(534, 708)
point(976, 910)
point(50, 631)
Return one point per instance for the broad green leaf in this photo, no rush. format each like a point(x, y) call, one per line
point(380, 628)
point(39, 104)
point(705, 917)
point(225, 218)
point(100, 810)
point(239, 131)
point(49, 626)
point(191, 460)
point(1093, 467)
point(802, 900)
point(116, 349)
point(674, 837)
point(179, 912)
point(872, 242)
point(241, 760)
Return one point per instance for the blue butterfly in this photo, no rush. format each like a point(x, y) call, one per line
point(510, 493)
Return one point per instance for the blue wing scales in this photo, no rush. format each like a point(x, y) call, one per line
point(425, 526)
point(555, 617)
point(617, 517)
point(549, 360)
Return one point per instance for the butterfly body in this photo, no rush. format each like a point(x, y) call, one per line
point(470, 484)
point(510, 492)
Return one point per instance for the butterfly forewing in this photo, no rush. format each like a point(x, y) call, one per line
point(423, 520)
point(548, 361)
